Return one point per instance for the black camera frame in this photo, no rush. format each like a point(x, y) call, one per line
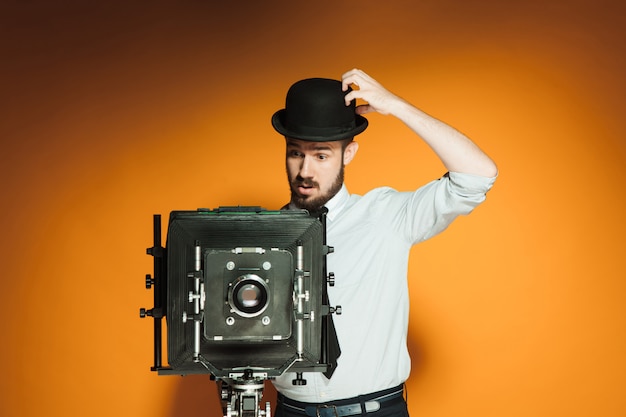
point(293, 350)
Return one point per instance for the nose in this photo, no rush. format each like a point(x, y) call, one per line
point(306, 170)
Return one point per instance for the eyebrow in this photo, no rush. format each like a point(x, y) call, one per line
point(316, 147)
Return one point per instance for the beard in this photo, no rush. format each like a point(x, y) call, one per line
point(311, 203)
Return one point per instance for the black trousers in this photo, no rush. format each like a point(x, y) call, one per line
point(395, 407)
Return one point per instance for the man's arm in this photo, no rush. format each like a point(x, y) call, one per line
point(457, 152)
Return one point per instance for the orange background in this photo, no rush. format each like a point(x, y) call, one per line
point(112, 112)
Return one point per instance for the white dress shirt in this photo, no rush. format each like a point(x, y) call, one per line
point(372, 236)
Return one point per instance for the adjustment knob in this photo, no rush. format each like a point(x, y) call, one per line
point(336, 310)
point(143, 312)
point(331, 279)
point(149, 281)
point(299, 381)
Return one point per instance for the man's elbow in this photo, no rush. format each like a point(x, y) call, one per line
point(490, 169)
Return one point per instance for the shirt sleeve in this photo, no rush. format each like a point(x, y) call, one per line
point(430, 209)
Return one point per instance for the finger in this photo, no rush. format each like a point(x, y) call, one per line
point(351, 77)
point(349, 97)
point(352, 95)
point(350, 73)
point(363, 109)
point(348, 82)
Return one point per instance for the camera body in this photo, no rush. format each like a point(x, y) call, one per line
point(244, 294)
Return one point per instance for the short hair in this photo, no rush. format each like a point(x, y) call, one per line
point(345, 142)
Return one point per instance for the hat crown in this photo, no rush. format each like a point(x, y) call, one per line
point(315, 110)
point(318, 102)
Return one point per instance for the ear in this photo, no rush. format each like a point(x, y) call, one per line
point(350, 152)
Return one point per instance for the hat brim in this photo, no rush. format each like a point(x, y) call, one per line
point(278, 123)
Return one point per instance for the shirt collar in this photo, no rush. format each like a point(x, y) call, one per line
point(337, 203)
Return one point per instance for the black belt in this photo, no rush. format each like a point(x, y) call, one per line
point(354, 406)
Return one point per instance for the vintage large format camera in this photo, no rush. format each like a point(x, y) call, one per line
point(244, 294)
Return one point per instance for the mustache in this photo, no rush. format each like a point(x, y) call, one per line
point(305, 182)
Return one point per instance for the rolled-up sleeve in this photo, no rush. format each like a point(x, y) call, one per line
point(431, 208)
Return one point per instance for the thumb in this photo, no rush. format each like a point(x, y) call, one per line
point(364, 108)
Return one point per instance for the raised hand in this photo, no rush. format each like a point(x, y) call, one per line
point(378, 98)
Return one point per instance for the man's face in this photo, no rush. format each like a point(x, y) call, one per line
point(315, 171)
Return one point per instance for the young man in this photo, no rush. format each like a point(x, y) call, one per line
point(371, 234)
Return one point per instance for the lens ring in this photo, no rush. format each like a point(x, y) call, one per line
point(248, 295)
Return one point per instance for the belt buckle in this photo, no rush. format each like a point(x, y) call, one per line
point(326, 406)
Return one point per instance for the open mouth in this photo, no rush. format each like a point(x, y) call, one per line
point(305, 189)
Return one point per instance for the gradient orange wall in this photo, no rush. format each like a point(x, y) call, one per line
point(114, 112)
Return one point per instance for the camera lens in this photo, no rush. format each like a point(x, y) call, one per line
point(248, 295)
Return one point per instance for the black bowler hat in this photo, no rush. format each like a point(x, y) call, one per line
point(315, 110)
